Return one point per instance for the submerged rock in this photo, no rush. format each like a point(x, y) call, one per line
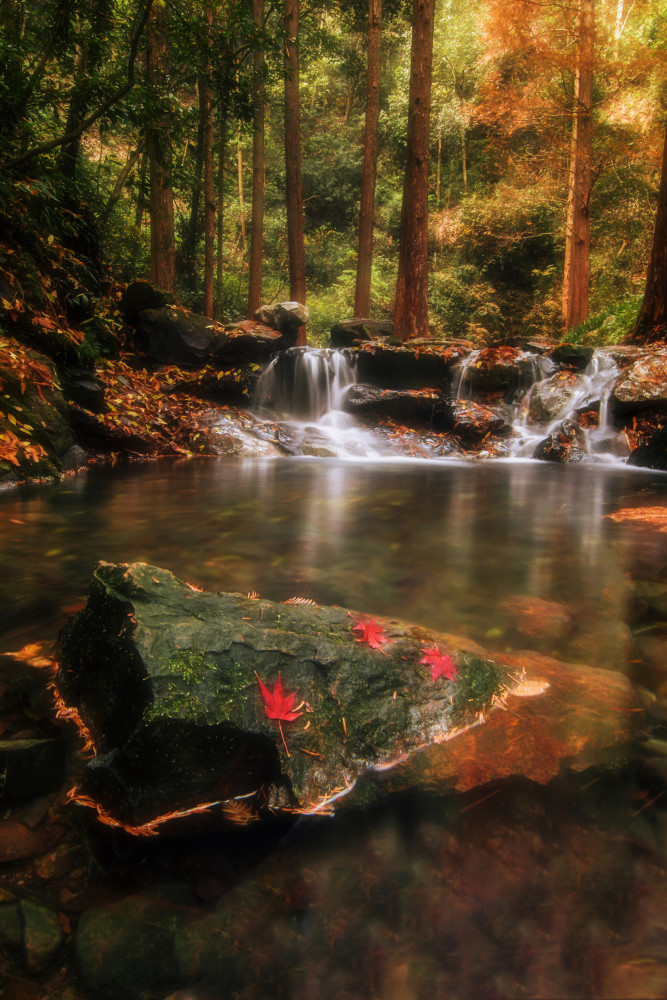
point(167, 680)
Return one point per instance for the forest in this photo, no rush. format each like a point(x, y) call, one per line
point(236, 153)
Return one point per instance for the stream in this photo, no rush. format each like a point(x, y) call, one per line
point(535, 892)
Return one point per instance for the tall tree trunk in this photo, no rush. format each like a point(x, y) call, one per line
point(239, 175)
point(438, 172)
point(191, 236)
point(651, 323)
point(209, 189)
point(141, 190)
point(222, 150)
point(577, 233)
point(123, 176)
point(411, 306)
point(160, 153)
point(257, 224)
point(295, 241)
point(90, 59)
point(362, 295)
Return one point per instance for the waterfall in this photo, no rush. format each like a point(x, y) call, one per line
point(305, 384)
point(552, 402)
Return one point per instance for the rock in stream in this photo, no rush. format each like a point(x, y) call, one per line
point(166, 678)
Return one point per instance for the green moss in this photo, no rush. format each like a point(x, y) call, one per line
point(189, 664)
point(475, 687)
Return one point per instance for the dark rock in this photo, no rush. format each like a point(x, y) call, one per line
point(412, 366)
point(576, 356)
point(500, 374)
point(75, 459)
point(567, 444)
point(413, 407)
point(230, 387)
point(92, 432)
point(164, 677)
point(550, 397)
point(652, 453)
point(42, 935)
point(643, 386)
point(473, 423)
point(142, 295)
point(18, 842)
point(80, 306)
point(173, 336)
point(31, 767)
point(353, 332)
point(128, 950)
point(81, 387)
point(286, 317)
point(11, 927)
point(248, 342)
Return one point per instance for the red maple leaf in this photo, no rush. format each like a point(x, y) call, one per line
point(441, 664)
point(278, 705)
point(371, 632)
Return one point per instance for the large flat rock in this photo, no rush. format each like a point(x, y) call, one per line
point(167, 680)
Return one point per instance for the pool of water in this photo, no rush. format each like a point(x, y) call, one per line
point(443, 544)
point(509, 891)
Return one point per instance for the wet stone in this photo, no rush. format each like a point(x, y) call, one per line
point(11, 927)
point(643, 386)
point(42, 935)
point(29, 768)
point(567, 444)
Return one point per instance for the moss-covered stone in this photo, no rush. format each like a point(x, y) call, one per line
point(166, 679)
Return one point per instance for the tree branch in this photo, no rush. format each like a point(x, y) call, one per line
point(46, 147)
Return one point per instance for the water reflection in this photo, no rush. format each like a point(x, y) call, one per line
point(441, 544)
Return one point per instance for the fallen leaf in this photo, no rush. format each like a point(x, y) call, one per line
point(278, 705)
point(441, 664)
point(371, 633)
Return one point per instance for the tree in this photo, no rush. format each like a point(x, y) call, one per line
point(362, 295)
point(651, 323)
point(207, 157)
point(295, 239)
point(578, 225)
point(257, 223)
point(411, 305)
point(160, 157)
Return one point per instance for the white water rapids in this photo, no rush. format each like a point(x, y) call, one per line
point(304, 390)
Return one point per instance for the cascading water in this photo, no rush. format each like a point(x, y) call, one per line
point(552, 404)
point(304, 389)
point(303, 392)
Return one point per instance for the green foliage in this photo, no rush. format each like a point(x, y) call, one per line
point(609, 326)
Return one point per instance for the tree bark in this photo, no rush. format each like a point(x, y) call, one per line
point(222, 149)
point(141, 190)
point(89, 62)
point(123, 176)
point(239, 177)
point(651, 325)
point(577, 232)
point(295, 239)
point(160, 153)
point(209, 189)
point(362, 295)
point(191, 236)
point(257, 223)
point(411, 306)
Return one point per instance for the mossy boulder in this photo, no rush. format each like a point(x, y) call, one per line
point(167, 680)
